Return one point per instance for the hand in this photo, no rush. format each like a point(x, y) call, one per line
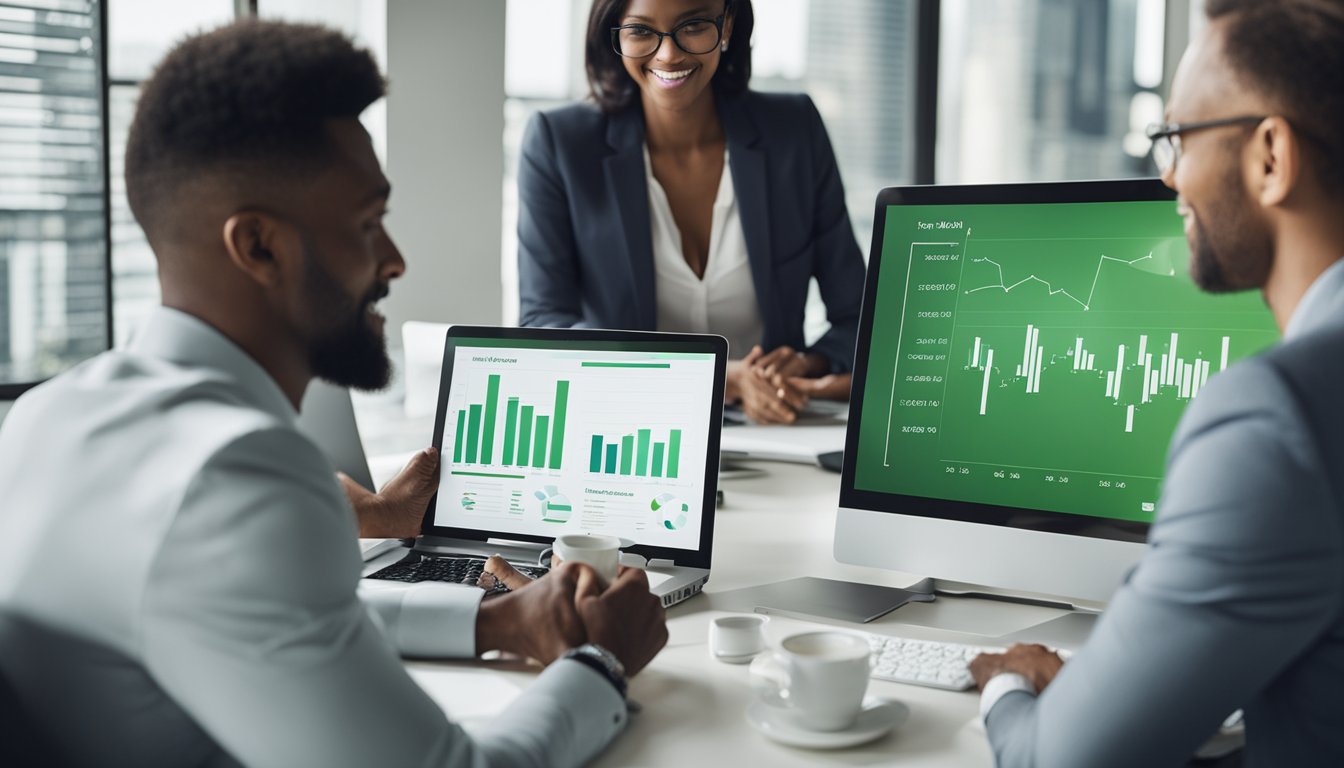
point(1036, 663)
point(786, 362)
point(500, 569)
point(764, 401)
point(540, 622)
point(626, 618)
point(396, 512)
point(832, 386)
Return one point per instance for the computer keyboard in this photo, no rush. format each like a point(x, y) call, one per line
point(419, 566)
point(924, 662)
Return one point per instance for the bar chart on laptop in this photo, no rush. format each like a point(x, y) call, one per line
point(547, 441)
point(1027, 358)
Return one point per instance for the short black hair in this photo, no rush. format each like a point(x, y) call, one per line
point(610, 85)
point(1293, 52)
point(250, 99)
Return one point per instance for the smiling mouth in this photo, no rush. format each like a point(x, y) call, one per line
point(672, 76)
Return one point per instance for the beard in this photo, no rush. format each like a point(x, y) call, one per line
point(1239, 256)
point(345, 350)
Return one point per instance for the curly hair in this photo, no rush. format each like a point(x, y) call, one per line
point(1292, 51)
point(610, 85)
point(251, 100)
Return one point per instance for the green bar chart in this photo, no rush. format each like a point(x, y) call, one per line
point(530, 438)
point(636, 454)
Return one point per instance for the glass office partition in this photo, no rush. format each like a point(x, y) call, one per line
point(53, 219)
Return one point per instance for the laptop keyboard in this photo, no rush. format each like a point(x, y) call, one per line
point(418, 566)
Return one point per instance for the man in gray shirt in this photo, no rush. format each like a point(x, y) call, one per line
point(178, 569)
point(1239, 601)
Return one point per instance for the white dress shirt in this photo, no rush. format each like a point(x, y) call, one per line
point(178, 575)
point(724, 302)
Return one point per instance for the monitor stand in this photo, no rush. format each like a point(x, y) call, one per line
point(1069, 631)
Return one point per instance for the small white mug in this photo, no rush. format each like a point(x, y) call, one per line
point(601, 552)
point(815, 679)
point(736, 639)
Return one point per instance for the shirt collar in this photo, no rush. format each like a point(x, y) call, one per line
point(1322, 304)
point(178, 337)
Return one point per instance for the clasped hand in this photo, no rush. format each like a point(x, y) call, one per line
point(774, 387)
point(571, 605)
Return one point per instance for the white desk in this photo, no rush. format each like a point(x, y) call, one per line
point(772, 527)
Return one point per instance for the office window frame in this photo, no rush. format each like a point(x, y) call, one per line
point(10, 390)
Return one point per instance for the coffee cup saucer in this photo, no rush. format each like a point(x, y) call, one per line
point(876, 719)
point(735, 658)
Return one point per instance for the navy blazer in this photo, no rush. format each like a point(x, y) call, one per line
point(585, 249)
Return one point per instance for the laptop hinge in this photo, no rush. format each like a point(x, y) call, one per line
point(659, 562)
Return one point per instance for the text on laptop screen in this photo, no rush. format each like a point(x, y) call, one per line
point(1038, 356)
point(555, 437)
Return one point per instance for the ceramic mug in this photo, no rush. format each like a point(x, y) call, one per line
point(816, 679)
point(601, 552)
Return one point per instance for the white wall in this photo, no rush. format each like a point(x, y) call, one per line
point(4, 409)
point(445, 158)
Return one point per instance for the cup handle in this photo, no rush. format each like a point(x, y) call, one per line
point(770, 680)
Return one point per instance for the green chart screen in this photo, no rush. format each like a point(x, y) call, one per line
point(1039, 356)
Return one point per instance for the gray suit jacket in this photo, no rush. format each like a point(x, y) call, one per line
point(1239, 602)
point(585, 251)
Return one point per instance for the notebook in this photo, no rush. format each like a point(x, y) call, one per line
point(543, 432)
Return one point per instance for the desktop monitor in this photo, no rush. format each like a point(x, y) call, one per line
point(1024, 354)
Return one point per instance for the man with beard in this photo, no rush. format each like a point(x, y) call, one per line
point(178, 567)
point(1239, 601)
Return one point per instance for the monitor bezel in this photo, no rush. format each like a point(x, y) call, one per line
point(638, 341)
point(1035, 193)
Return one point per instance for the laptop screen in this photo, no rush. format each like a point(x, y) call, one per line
point(544, 432)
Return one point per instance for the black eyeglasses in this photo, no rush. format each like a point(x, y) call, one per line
point(1166, 137)
point(694, 36)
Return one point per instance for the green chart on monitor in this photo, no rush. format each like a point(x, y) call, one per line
point(1040, 356)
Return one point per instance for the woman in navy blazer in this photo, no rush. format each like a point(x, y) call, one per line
point(668, 80)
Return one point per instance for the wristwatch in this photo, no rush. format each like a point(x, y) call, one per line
point(600, 659)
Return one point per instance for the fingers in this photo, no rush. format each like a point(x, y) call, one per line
point(761, 402)
point(420, 477)
point(787, 391)
point(505, 573)
point(589, 583)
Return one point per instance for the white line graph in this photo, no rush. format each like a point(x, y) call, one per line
point(1050, 288)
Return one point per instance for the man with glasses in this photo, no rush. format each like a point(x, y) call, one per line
point(1239, 602)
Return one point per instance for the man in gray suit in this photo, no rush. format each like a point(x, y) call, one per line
point(179, 577)
point(1238, 601)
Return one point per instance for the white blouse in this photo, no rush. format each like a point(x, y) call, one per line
point(724, 302)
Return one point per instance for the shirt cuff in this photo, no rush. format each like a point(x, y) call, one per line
point(999, 686)
point(430, 619)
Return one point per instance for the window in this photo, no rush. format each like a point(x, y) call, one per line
point(53, 222)
point(1034, 90)
point(140, 32)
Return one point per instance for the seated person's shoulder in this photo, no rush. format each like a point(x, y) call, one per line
point(580, 121)
point(792, 108)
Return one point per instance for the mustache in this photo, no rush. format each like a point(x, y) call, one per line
point(378, 293)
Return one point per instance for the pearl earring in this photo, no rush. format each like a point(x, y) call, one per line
point(723, 47)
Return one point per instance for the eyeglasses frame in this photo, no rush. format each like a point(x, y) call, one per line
point(1169, 131)
point(718, 27)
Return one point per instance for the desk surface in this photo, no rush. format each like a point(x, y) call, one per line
point(774, 526)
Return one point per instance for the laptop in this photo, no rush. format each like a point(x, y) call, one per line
point(543, 432)
point(327, 417)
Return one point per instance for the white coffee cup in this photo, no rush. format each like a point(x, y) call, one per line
point(736, 639)
point(601, 552)
point(815, 679)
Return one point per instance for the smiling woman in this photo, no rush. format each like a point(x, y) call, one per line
point(683, 201)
